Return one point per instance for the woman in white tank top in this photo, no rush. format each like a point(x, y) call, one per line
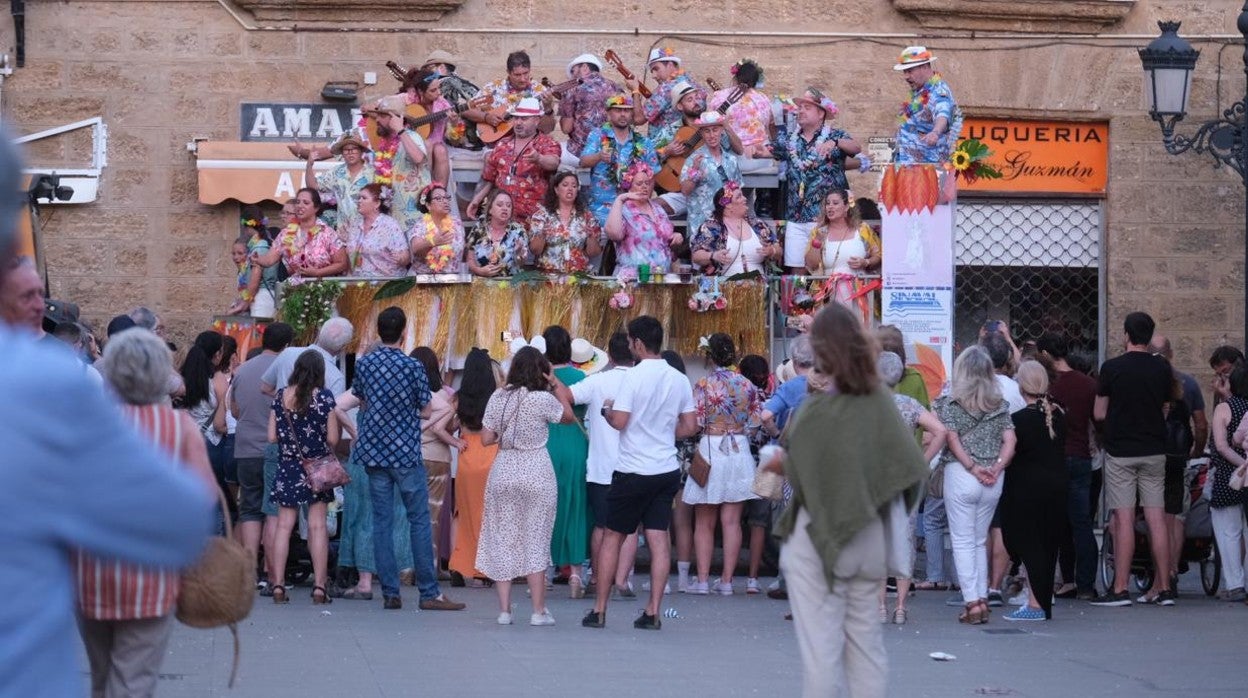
point(728, 242)
point(838, 244)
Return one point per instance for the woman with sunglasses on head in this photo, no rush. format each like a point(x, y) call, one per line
point(438, 238)
point(730, 242)
point(496, 247)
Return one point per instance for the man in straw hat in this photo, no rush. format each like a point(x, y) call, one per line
point(455, 90)
point(343, 183)
point(77, 464)
point(815, 152)
point(583, 108)
point(660, 109)
point(520, 163)
point(930, 120)
point(401, 160)
point(610, 150)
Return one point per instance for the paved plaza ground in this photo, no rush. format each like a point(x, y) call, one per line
point(720, 646)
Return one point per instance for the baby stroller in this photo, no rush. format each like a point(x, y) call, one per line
point(1199, 545)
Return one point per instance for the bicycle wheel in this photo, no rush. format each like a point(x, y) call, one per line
point(1211, 571)
point(1107, 561)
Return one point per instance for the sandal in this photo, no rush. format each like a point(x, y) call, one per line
point(322, 599)
point(279, 594)
point(354, 594)
point(931, 586)
point(899, 616)
point(984, 612)
point(970, 613)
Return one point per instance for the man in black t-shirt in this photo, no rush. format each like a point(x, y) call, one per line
point(1129, 402)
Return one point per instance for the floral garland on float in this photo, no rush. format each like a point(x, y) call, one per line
point(306, 305)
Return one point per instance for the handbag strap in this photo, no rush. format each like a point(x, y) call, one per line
point(281, 405)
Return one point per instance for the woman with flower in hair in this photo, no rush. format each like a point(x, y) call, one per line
point(563, 235)
point(639, 226)
point(731, 241)
point(376, 244)
point(438, 238)
point(750, 117)
point(497, 246)
point(708, 169)
point(308, 247)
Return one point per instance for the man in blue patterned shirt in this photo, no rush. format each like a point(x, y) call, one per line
point(393, 391)
point(929, 123)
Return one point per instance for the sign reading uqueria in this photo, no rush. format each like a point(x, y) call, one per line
point(1042, 157)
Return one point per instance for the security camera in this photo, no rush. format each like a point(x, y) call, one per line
point(49, 187)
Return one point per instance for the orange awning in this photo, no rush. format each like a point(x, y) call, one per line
point(249, 172)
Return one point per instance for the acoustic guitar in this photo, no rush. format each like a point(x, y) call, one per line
point(558, 91)
point(614, 59)
point(691, 136)
point(420, 119)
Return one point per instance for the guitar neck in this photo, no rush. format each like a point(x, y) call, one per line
point(436, 116)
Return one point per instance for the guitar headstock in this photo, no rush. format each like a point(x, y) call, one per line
point(614, 59)
point(546, 82)
point(710, 82)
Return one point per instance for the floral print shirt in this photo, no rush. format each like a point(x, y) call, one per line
point(810, 176)
point(314, 249)
point(375, 251)
point(710, 176)
point(605, 176)
point(711, 237)
point(526, 181)
point(409, 178)
point(728, 400)
point(509, 252)
point(749, 117)
point(918, 117)
point(659, 109)
point(442, 259)
point(565, 245)
point(647, 237)
point(338, 188)
point(586, 105)
point(981, 435)
point(502, 94)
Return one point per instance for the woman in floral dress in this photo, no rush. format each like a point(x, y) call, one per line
point(308, 247)
point(376, 245)
point(438, 238)
point(563, 235)
point(729, 407)
point(497, 246)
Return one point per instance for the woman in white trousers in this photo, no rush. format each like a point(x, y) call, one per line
point(1226, 505)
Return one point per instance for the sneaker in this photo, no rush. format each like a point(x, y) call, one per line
point(594, 619)
point(543, 618)
point(504, 619)
point(1236, 594)
point(994, 598)
point(1167, 598)
point(682, 584)
point(884, 617)
point(392, 603)
point(667, 587)
point(751, 586)
point(441, 603)
point(775, 585)
point(1110, 598)
point(723, 588)
point(1025, 613)
point(647, 622)
point(1021, 599)
point(699, 588)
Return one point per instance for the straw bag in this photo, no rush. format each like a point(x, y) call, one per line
point(220, 587)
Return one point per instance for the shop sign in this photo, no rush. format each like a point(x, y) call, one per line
point(264, 121)
point(1049, 157)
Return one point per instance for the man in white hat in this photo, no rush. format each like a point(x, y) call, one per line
point(583, 108)
point(342, 184)
point(689, 104)
point(508, 91)
point(521, 163)
point(660, 109)
point(610, 150)
point(931, 119)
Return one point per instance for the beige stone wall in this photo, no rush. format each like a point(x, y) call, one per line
point(161, 73)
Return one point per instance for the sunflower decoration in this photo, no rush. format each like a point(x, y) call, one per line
point(970, 161)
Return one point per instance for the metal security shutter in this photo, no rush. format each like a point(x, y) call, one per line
point(1034, 263)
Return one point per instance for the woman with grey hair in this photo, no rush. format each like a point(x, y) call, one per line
point(980, 444)
point(126, 611)
point(915, 416)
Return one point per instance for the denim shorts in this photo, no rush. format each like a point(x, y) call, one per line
point(271, 454)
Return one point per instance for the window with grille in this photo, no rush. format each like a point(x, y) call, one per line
point(1035, 264)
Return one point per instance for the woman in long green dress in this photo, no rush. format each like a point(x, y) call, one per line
point(569, 449)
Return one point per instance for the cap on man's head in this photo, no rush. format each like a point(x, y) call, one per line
point(121, 323)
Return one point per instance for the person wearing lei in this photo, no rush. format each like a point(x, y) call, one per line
point(815, 153)
point(564, 237)
point(340, 186)
point(610, 150)
point(660, 109)
point(497, 245)
point(401, 161)
point(731, 241)
point(423, 86)
point(376, 245)
point(929, 123)
point(308, 247)
point(708, 169)
point(639, 226)
point(438, 240)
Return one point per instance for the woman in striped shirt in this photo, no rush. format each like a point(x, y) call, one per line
point(125, 611)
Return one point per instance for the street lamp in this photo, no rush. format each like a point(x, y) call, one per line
point(1168, 65)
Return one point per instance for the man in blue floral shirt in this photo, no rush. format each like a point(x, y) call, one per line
point(929, 123)
point(393, 391)
point(815, 153)
point(610, 150)
point(584, 108)
point(660, 109)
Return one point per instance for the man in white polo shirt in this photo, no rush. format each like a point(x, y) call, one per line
point(654, 407)
point(604, 448)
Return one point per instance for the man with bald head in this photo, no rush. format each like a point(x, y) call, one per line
point(1176, 465)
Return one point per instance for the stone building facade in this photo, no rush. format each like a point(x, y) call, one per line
point(163, 74)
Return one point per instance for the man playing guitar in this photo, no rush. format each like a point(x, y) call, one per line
point(521, 162)
point(660, 109)
point(507, 93)
point(583, 108)
point(688, 103)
